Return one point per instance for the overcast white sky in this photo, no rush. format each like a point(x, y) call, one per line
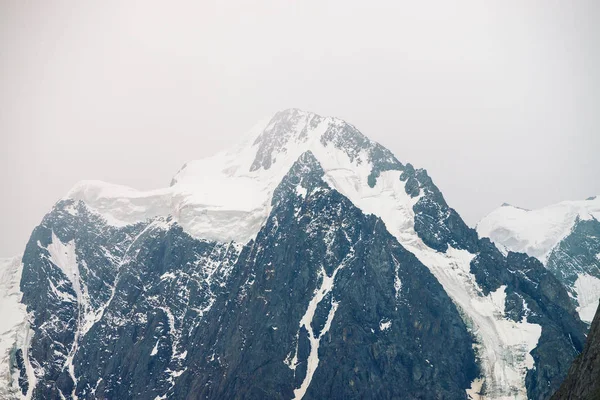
point(499, 100)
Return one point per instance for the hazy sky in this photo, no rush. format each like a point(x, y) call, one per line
point(499, 100)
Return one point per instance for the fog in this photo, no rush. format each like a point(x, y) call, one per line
point(497, 100)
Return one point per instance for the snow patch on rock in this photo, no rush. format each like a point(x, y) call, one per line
point(385, 325)
point(63, 256)
point(327, 283)
point(587, 288)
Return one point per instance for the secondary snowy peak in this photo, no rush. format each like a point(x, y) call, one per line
point(227, 196)
point(564, 236)
point(535, 232)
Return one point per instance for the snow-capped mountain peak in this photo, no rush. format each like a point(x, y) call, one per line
point(227, 196)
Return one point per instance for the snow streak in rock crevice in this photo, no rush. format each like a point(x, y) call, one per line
point(64, 257)
point(327, 284)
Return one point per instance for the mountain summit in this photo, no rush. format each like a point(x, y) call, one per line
point(305, 262)
point(226, 197)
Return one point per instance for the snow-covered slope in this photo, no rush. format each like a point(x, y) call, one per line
point(564, 236)
point(13, 322)
point(535, 232)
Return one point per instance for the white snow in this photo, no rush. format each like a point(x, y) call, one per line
point(14, 329)
point(474, 393)
point(213, 198)
point(292, 361)
point(385, 325)
point(64, 257)
point(155, 349)
point(536, 232)
point(503, 345)
point(587, 288)
point(172, 329)
point(167, 275)
point(397, 280)
point(301, 191)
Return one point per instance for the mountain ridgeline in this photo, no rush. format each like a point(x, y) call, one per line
point(305, 263)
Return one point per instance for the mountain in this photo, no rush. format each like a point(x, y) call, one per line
point(564, 236)
point(583, 381)
point(305, 262)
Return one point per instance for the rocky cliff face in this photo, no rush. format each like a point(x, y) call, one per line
point(306, 263)
point(575, 260)
point(583, 381)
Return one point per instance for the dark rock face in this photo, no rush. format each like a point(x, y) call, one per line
point(148, 286)
point(58, 311)
point(583, 380)
point(161, 295)
point(577, 253)
point(438, 225)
